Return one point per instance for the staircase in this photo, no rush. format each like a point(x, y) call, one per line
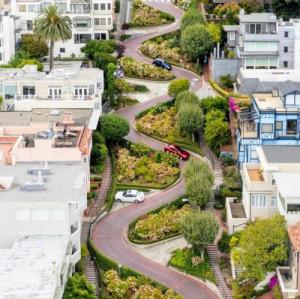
point(214, 255)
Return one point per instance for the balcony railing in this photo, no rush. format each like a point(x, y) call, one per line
point(286, 283)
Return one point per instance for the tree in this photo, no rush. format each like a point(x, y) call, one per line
point(211, 103)
point(191, 17)
point(79, 288)
point(199, 228)
point(178, 85)
point(215, 32)
point(229, 11)
point(286, 8)
point(35, 46)
point(186, 97)
point(53, 26)
point(214, 114)
point(195, 167)
point(113, 127)
point(111, 90)
point(102, 60)
point(196, 41)
point(189, 119)
point(216, 133)
point(93, 47)
point(263, 246)
point(250, 6)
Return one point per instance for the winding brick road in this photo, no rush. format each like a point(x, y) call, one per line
point(109, 234)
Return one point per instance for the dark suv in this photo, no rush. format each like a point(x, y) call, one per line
point(161, 63)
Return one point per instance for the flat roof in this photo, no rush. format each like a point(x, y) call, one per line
point(282, 153)
point(288, 184)
point(59, 184)
point(25, 118)
point(258, 17)
point(266, 101)
point(30, 268)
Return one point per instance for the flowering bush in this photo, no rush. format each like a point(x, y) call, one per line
point(197, 260)
point(144, 15)
point(155, 227)
point(163, 50)
point(144, 169)
point(133, 68)
point(184, 4)
point(134, 288)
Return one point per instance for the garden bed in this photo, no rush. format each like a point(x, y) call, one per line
point(159, 224)
point(188, 260)
point(146, 16)
point(158, 122)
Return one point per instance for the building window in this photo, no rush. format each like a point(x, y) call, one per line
point(291, 127)
point(285, 64)
point(91, 89)
point(278, 125)
point(102, 6)
point(40, 214)
point(31, 8)
point(22, 8)
point(62, 50)
point(273, 202)
point(253, 154)
point(108, 21)
point(286, 34)
point(232, 35)
point(102, 21)
point(96, 21)
point(1, 56)
point(23, 214)
point(28, 90)
point(108, 6)
point(29, 25)
point(54, 92)
point(100, 36)
point(82, 38)
point(258, 200)
point(96, 6)
point(267, 128)
point(293, 208)
point(286, 49)
point(80, 92)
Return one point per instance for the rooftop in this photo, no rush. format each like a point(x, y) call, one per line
point(288, 184)
point(281, 153)
point(257, 17)
point(25, 118)
point(30, 268)
point(6, 145)
point(266, 101)
point(58, 185)
point(237, 210)
point(294, 234)
point(255, 175)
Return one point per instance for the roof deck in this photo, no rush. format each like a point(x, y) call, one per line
point(255, 175)
point(266, 101)
point(237, 210)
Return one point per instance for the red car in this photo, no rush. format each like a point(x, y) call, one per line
point(175, 150)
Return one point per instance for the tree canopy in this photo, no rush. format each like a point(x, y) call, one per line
point(263, 246)
point(191, 17)
point(93, 47)
point(286, 8)
point(186, 97)
point(178, 85)
point(215, 32)
point(229, 11)
point(196, 41)
point(36, 47)
point(211, 103)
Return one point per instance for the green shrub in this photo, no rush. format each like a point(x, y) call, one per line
point(226, 81)
point(123, 86)
point(91, 195)
point(223, 243)
point(162, 157)
point(276, 292)
point(224, 215)
point(139, 149)
point(140, 88)
point(93, 47)
point(186, 97)
point(214, 103)
point(178, 85)
point(117, 6)
point(124, 37)
point(219, 206)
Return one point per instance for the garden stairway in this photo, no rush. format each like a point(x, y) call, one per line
point(97, 206)
point(214, 255)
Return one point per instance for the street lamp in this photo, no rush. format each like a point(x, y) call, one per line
point(119, 268)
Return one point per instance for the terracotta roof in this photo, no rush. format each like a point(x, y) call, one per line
point(85, 141)
point(294, 234)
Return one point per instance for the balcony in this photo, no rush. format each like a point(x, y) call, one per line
point(236, 215)
point(287, 285)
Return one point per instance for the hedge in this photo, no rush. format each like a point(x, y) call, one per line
point(224, 93)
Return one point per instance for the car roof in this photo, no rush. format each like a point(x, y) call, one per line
point(133, 192)
point(159, 59)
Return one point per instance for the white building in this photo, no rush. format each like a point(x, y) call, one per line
point(91, 19)
point(270, 186)
point(36, 266)
point(43, 199)
point(25, 89)
point(7, 36)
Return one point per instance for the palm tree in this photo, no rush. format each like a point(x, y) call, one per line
point(53, 27)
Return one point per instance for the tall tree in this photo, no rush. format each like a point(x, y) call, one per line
point(263, 246)
point(286, 8)
point(229, 11)
point(199, 228)
point(35, 46)
point(53, 26)
point(191, 17)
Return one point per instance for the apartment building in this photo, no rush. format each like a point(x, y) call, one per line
point(36, 266)
point(7, 36)
point(43, 198)
point(91, 19)
point(25, 89)
point(272, 119)
point(270, 186)
point(262, 41)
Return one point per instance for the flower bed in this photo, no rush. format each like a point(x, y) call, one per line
point(158, 225)
point(189, 261)
point(152, 169)
point(134, 287)
point(159, 122)
point(144, 15)
point(141, 70)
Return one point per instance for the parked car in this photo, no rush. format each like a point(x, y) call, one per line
point(130, 196)
point(176, 150)
point(161, 63)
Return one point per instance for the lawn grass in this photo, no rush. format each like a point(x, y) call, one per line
point(182, 260)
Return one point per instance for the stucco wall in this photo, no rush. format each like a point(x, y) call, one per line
point(221, 67)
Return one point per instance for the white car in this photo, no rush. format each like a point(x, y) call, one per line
point(130, 196)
